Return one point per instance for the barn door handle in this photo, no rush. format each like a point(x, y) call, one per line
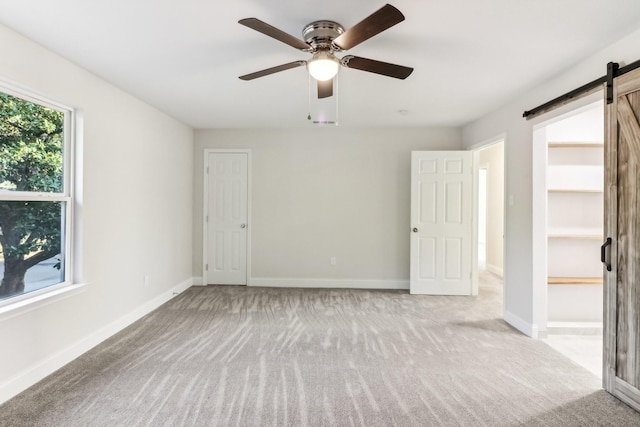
point(603, 253)
point(415, 230)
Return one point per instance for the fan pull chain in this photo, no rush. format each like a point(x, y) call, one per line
point(336, 83)
point(309, 97)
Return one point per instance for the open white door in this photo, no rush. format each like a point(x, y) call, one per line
point(441, 222)
point(226, 218)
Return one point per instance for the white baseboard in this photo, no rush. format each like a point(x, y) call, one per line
point(574, 328)
point(329, 283)
point(526, 328)
point(26, 379)
point(494, 269)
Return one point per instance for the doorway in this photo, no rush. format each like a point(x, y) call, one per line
point(573, 198)
point(568, 219)
point(490, 208)
point(482, 219)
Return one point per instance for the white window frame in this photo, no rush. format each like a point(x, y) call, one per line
point(67, 196)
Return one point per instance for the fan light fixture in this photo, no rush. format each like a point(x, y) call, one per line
point(323, 66)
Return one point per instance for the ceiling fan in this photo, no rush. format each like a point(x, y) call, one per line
point(324, 38)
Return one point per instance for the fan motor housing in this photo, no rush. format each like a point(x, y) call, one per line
point(320, 34)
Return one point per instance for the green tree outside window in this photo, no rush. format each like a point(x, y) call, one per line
point(31, 160)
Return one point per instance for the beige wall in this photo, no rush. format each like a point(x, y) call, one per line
point(135, 213)
point(322, 193)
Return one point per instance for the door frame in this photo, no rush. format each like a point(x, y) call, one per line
point(205, 204)
point(539, 253)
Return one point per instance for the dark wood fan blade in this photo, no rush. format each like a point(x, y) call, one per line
point(271, 31)
point(325, 89)
point(386, 17)
point(272, 70)
point(378, 67)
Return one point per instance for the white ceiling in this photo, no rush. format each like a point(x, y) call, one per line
point(185, 56)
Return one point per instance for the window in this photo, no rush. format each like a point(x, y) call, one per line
point(35, 195)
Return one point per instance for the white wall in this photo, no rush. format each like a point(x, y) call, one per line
point(585, 126)
point(136, 216)
point(326, 192)
point(492, 159)
point(520, 298)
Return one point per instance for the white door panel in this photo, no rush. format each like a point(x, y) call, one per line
point(441, 222)
point(226, 213)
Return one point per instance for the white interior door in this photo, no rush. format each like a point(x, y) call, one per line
point(226, 218)
point(441, 222)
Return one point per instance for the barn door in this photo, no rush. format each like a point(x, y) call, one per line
point(621, 251)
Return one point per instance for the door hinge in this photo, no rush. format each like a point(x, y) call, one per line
point(207, 170)
point(206, 267)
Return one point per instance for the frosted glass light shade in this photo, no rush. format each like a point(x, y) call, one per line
point(323, 66)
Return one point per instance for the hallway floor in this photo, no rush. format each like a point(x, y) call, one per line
point(585, 350)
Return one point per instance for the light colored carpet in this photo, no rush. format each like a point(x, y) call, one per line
point(292, 357)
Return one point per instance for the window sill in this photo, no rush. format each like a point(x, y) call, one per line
point(28, 304)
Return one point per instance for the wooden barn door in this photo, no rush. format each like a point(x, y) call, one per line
point(621, 251)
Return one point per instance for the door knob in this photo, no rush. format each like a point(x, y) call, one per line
point(415, 230)
point(243, 226)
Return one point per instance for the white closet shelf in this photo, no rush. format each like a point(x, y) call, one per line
point(574, 280)
point(575, 190)
point(576, 236)
point(577, 144)
point(575, 232)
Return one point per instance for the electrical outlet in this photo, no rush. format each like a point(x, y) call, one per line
point(333, 260)
point(146, 280)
